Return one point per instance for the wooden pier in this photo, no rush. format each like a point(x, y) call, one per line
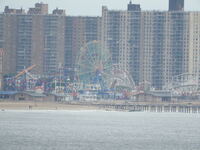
point(175, 108)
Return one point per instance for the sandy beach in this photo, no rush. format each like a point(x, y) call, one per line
point(27, 105)
point(51, 105)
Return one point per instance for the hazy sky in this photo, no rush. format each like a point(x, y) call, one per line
point(93, 7)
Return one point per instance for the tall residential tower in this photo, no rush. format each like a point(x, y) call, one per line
point(154, 46)
point(176, 5)
point(46, 40)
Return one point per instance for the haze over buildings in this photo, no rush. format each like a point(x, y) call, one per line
point(153, 46)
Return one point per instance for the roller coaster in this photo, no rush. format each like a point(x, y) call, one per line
point(186, 84)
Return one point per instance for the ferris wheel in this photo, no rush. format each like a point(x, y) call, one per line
point(94, 66)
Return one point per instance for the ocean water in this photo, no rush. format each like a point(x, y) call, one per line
point(98, 130)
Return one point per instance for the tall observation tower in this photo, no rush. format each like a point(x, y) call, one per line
point(176, 5)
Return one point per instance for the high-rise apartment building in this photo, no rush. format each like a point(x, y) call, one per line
point(24, 42)
point(1, 68)
point(32, 39)
point(7, 10)
point(154, 46)
point(40, 8)
point(116, 36)
point(54, 43)
point(121, 34)
point(78, 32)
point(134, 43)
point(176, 5)
point(8, 30)
point(164, 46)
point(45, 40)
point(194, 44)
point(133, 7)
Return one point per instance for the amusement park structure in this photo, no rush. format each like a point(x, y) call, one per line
point(27, 81)
point(184, 85)
point(95, 72)
point(23, 80)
